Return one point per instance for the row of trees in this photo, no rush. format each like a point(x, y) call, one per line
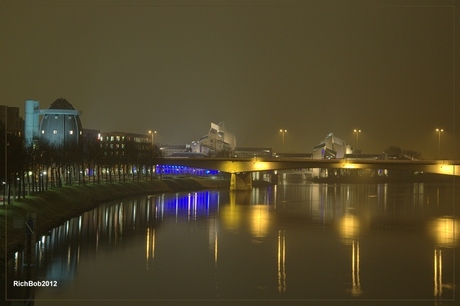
point(40, 166)
point(398, 153)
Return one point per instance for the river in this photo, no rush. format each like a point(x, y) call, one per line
point(294, 242)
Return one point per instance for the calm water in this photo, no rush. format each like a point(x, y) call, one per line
point(297, 241)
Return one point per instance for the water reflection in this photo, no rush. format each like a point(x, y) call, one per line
point(299, 241)
point(281, 261)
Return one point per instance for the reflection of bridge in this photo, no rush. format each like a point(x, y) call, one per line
point(240, 168)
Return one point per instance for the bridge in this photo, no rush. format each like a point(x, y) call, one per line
point(240, 168)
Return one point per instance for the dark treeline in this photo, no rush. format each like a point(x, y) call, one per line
point(42, 166)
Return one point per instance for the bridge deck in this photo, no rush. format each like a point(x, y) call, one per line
point(241, 165)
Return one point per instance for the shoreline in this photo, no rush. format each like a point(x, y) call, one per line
point(53, 207)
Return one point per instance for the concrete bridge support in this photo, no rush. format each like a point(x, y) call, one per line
point(241, 181)
point(270, 176)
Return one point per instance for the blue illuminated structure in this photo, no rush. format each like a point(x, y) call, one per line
point(183, 170)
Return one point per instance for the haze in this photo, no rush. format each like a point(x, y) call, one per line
point(311, 67)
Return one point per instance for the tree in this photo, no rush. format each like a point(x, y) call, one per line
point(398, 153)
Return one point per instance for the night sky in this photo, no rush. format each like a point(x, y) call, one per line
point(311, 67)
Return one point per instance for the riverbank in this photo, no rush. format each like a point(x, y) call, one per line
point(54, 207)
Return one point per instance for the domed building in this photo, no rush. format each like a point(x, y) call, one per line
point(60, 124)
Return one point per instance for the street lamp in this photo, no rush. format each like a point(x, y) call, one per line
point(153, 153)
point(283, 132)
point(439, 141)
point(357, 136)
point(6, 193)
point(152, 132)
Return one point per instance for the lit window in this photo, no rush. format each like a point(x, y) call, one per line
point(43, 132)
point(71, 132)
point(55, 116)
point(55, 132)
point(81, 132)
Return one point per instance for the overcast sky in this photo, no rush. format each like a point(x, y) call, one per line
point(311, 67)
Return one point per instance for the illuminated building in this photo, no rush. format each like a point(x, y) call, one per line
point(331, 147)
point(120, 143)
point(218, 139)
point(60, 124)
point(9, 116)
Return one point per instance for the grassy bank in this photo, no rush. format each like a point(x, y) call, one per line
point(54, 207)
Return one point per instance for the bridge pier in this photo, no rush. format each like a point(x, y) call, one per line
point(241, 181)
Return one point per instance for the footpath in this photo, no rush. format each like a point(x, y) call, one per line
point(52, 208)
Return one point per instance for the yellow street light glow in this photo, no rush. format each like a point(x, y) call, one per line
point(347, 165)
point(357, 131)
point(447, 169)
point(439, 140)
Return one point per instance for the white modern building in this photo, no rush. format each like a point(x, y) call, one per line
point(332, 147)
point(217, 140)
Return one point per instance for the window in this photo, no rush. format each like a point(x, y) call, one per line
point(55, 116)
point(71, 132)
point(43, 132)
point(55, 132)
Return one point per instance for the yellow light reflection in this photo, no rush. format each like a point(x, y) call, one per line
point(215, 249)
point(445, 232)
point(349, 227)
point(149, 246)
point(437, 273)
point(281, 261)
point(356, 289)
point(231, 216)
point(259, 221)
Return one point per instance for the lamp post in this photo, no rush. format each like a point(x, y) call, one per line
point(6, 157)
point(152, 133)
point(439, 141)
point(153, 153)
point(357, 136)
point(283, 132)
